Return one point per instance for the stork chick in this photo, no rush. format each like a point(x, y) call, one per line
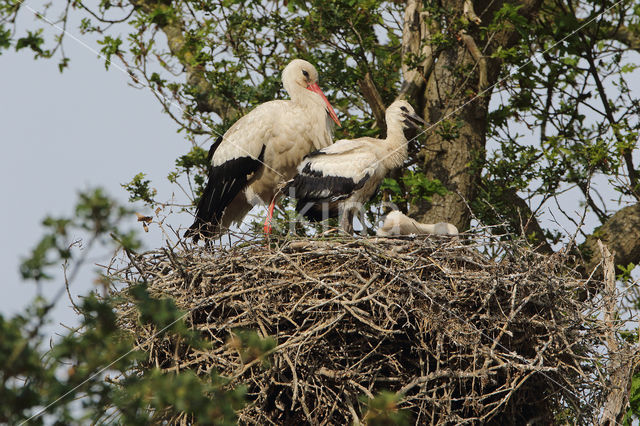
point(339, 179)
point(396, 223)
point(261, 151)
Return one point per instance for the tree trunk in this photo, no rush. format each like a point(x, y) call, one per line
point(456, 97)
point(452, 146)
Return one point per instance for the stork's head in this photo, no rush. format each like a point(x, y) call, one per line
point(300, 73)
point(403, 112)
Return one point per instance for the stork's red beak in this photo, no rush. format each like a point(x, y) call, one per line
point(315, 88)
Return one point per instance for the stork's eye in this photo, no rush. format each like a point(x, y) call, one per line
point(404, 109)
point(306, 74)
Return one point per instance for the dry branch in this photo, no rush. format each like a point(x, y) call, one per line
point(622, 359)
point(373, 98)
point(470, 43)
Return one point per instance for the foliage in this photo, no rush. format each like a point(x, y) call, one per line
point(578, 98)
point(576, 94)
point(634, 400)
point(139, 189)
point(83, 364)
point(412, 186)
point(95, 361)
point(382, 410)
point(251, 346)
point(97, 216)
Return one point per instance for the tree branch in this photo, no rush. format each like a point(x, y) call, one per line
point(621, 233)
point(483, 83)
point(470, 13)
point(373, 98)
point(520, 216)
point(174, 30)
point(622, 360)
point(415, 36)
point(623, 35)
point(626, 154)
point(531, 228)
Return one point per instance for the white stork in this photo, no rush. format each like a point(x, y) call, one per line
point(396, 223)
point(262, 149)
point(337, 180)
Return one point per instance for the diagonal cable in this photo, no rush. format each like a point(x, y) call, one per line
point(488, 89)
point(156, 92)
point(102, 370)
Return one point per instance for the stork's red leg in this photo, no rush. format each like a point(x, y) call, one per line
point(267, 222)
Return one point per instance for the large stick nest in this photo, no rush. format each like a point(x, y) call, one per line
point(463, 338)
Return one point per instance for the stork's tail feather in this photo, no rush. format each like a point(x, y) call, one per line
point(224, 183)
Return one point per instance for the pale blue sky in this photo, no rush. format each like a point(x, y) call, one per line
point(64, 132)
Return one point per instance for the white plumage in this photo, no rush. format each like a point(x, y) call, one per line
point(396, 223)
point(262, 149)
point(339, 179)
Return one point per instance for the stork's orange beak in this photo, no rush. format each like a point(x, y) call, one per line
point(315, 88)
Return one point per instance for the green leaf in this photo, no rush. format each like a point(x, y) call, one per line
point(139, 189)
point(111, 46)
point(383, 410)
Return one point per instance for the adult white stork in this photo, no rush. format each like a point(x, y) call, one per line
point(262, 149)
point(396, 223)
point(337, 180)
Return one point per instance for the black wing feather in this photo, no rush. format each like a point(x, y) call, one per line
point(315, 153)
point(318, 195)
point(224, 183)
point(213, 148)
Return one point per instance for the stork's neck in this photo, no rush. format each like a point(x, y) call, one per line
point(304, 97)
point(425, 228)
point(320, 125)
point(396, 144)
point(421, 228)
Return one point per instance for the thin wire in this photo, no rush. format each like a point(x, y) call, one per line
point(157, 93)
point(499, 81)
point(102, 370)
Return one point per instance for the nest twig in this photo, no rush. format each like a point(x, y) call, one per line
point(464, 338)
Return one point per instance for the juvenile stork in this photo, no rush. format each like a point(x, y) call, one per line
point(337, 180)
point(262, 149)
point(396, 223)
